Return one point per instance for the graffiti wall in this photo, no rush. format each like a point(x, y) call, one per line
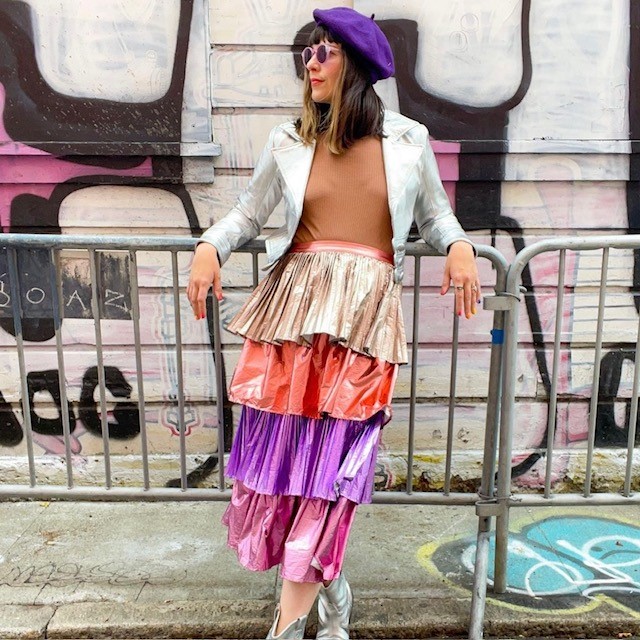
point(146, 117)
point(529, 146)
point(105, 129)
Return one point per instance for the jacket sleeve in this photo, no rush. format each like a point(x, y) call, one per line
point(437, 224)
point(252, 208)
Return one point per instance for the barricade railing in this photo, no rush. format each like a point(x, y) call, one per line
point(570, 252)
point(21, 255)
point(33, 260)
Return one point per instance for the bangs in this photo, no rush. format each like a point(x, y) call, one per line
point(319, 34)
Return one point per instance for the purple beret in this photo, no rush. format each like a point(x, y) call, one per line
point(362, 35)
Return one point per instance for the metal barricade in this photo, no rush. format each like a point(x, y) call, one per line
point(596, 287)
point(46, 251)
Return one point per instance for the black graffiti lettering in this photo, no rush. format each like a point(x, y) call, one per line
point(127, 419)
point(608, 432)
point(48, 381)
point(5, 298)
point(111, 301)
point(10, 428)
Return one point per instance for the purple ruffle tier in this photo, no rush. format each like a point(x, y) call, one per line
point(292, 455)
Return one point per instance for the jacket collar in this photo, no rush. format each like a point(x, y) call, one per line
point(399, 156)
point(394, 126)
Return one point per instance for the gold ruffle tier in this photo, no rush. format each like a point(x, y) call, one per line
point(350, 297)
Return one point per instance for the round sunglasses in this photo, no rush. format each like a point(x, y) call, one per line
point(321, 53)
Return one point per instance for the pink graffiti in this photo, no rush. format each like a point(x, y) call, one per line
point(26, 170)
point(447, 157)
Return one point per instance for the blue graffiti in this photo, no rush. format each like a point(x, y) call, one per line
point(563, 555)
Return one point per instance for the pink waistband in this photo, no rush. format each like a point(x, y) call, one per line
point(337, 245)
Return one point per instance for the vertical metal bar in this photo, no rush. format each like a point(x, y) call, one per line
point(553, 393)
point(220, 384)
point(16, 308)
point(55, 281)
point(486, 491)
point(479, 592)
point(104, 418)
point(494, 397)
point(135, 303)
point(507, 420)
point(256, 268)
point(415, 336)
point(452, 401)
point(593, 409)
point(633, 417)
point(178, 334)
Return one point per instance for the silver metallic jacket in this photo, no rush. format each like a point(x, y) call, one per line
point(413, 185)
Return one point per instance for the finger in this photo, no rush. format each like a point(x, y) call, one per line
point(217, 285)
point(468, 295)
point(459, 297)
point(192, 294)
point(474, 299)
point(446, 283)
point(199, 307)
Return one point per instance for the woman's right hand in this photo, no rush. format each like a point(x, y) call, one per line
point(205, 272)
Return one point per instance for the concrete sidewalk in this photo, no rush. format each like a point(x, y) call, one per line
point(162, 570)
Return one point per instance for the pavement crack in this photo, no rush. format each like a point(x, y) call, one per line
point(38, 594)
point(45, 631)
point(144, 584)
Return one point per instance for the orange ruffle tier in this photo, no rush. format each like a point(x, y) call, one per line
point(325, 378)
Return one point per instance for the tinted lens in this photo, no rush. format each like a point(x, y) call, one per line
point(321, 53)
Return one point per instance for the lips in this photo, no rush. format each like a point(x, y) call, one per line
point(315, 81)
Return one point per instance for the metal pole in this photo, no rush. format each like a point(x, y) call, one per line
point(104, 418)
point(506, 441)
point(593, 407)
point(135, 303)
point(414, 371)
point(220, 384)
point(553, 399)
point(487, 489)
point(452, 400)
point(633, 416)
point(179, 369)
point(16, 308)
point(57, 313)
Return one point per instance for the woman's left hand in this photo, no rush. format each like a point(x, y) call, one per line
point(460, 270)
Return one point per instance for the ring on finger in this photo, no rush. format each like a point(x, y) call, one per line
point(459, 288)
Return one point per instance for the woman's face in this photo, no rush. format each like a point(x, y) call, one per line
point(324, 76)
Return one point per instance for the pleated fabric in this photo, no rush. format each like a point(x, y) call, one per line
point(347, 295)
point(326, 379)
point(323, 339)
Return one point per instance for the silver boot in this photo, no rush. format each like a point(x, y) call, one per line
point(295, 630)
point(334, 610)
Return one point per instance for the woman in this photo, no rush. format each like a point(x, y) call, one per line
point(324, 334)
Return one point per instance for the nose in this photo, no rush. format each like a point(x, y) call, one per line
point(313, 62)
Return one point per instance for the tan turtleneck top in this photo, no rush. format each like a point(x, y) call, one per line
point(346, 197)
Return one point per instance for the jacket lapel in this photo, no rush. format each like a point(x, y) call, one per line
point(399, 158)
point(294, 162)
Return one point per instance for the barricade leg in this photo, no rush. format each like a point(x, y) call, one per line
point(487, 489)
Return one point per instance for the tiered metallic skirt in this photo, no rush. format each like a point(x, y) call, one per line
point(324, 336)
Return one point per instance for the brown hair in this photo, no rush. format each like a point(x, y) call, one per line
point(355, 110)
